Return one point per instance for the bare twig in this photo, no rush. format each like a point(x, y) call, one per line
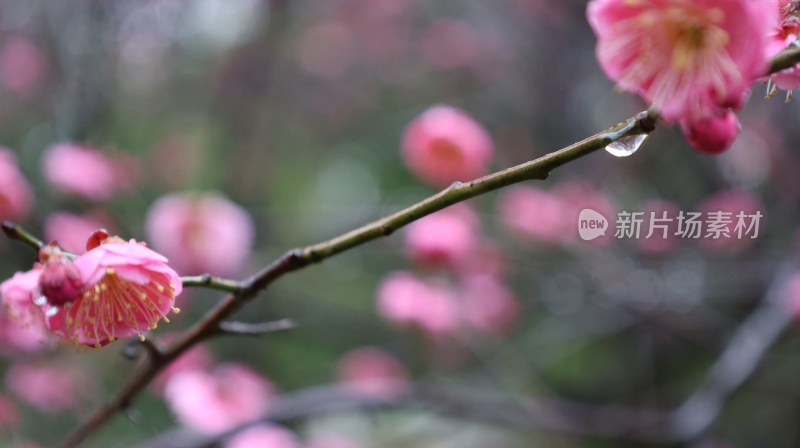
point(207, 281)
point(255, 329)
point(15, 232)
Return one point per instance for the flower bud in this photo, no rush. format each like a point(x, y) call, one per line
point(712, 135)
point(60, 281)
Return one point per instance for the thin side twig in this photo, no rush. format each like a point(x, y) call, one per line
point(208, 281)
point(255, 329)
point(15, 232)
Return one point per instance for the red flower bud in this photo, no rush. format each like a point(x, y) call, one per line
point(60, 281)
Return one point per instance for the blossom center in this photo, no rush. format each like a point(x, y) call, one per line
point(114, 305)
point(694, 36)
point(444, 149)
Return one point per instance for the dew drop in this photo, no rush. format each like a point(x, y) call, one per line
point(40, 300)
point(626, 145)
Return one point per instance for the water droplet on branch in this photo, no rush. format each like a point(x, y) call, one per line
point(626, 145)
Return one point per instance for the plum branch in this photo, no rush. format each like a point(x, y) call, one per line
point(242, 292)
point(212, 323)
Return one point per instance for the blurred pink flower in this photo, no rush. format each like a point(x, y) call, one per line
point(786, 34)
point(128, 288)
point(578, 196)
point(660, 241)
point(712, 134)
point(444, 145)
point(8, 413)
point(686, 58)
point(372, 371)
point(486, 258)
point(16, 196)
point(201, 232)
point(196, 358)
point(488, 305)
point(71, 231)
point(49, 388)
point(407, 300)
point(22, 66)
point(731, 202)
point(534, 214)
point(789, 13)
point(788, 79)
point(86, 172)
point(444, 238)
point(265, 435)
point(216, 401)
point(22, 324)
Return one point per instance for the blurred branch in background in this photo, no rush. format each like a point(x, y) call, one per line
point(255, 329)
point(685, 424)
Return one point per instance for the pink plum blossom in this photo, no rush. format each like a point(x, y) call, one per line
point(49, 388)
point(444, 238)
point(128, 288)
point(86, 172)
point(488, 305)
point(713, 134)
point(71, 230)
point(407, 300)
point(688, 58)
point(201, 232)
point(788, 79)
point(534, 214)
point(578, 196)
point(485, 258)
point(265, 435)
point(22, 66)
point(22, 323)
point(372, 371)
point(60, 281)
point(785, 34)
point(219, 400)
point(789, 13)
point(196, 358)
point(16, 196)
point(444, 145)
